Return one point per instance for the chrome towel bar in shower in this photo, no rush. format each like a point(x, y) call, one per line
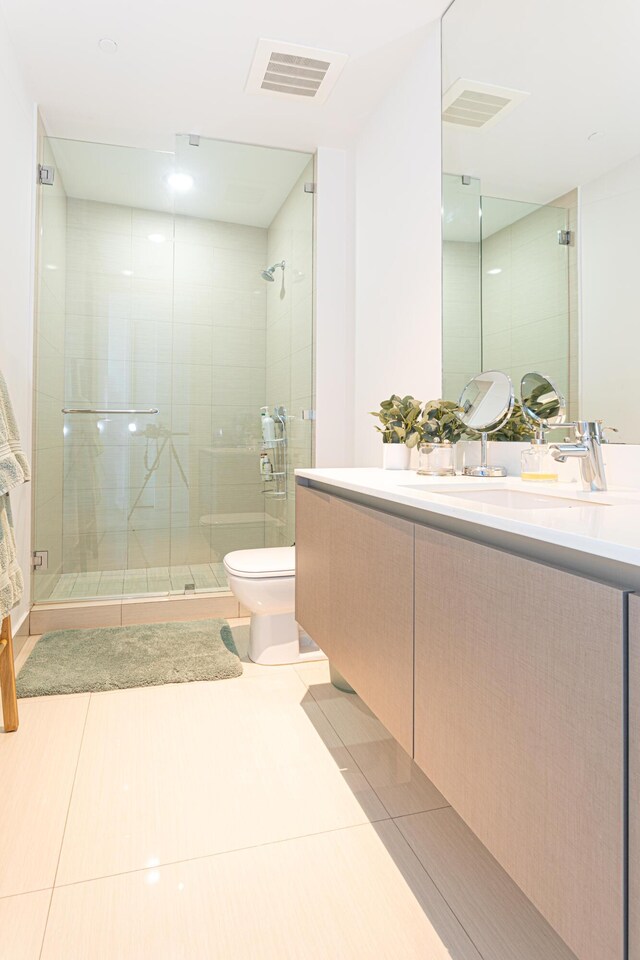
point(150, 410)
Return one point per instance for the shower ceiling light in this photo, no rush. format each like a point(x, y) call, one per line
point(180, 182)
point(156, 237)
point(108, 46)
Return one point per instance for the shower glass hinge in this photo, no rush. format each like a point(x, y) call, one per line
point(466, 180)
point(310, 187)
point(46, 174)
point(189, 588)
point(565, 238)
point(308, 414)
point(194, 140)
point(40, 559)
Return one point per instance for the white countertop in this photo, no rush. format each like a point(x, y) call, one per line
point(610, 530)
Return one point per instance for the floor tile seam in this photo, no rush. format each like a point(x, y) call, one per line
point(220, 853)
point(24, 893)
point(73, 784)
point(433, 880)
point(66, 821)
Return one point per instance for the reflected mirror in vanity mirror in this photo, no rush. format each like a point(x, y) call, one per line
point(542, 402)
point(486, 403)
point(541, 198)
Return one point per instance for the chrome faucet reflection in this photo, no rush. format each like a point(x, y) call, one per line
point(588, 448)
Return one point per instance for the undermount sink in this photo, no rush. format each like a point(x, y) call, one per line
point(512, 499)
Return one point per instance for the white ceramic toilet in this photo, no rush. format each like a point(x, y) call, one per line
point(264, 581)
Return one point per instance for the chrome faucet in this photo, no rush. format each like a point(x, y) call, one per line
point(588, 448)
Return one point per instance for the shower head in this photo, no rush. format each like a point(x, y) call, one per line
point(269, 273)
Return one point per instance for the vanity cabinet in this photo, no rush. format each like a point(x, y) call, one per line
point(372, 597)
point(634, 778)
point(354, 597)
point(520, 723)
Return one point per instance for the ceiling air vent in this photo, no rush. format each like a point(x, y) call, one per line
point(478, 105)
point(288, 70)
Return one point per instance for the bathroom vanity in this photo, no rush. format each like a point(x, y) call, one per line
point(494, 628)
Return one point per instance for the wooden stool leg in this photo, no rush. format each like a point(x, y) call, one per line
point(8, 678)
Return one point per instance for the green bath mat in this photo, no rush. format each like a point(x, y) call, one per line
point(113, 658)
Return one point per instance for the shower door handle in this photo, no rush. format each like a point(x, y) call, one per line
point(150, 410)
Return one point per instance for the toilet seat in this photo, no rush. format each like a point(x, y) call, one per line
point(262, 563)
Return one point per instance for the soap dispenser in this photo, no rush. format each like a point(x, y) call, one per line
point(537, 462)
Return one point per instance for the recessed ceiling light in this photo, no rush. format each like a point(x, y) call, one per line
point(181, 182)
point(156, 237)
point(494, 271)
point(106, 45)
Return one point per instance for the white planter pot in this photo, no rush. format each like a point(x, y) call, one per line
point(395, 456)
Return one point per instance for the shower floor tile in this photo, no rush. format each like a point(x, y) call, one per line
point(108, 583)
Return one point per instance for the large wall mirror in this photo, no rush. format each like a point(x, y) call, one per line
point(541, 199)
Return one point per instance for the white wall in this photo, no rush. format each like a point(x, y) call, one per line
point(610, 333)
point(17, 175)
point(398, 246)
point(334, 316)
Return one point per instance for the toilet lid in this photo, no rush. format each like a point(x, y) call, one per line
point(263, 562)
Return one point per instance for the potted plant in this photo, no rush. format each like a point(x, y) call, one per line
point(440, 429)
point(400, 431)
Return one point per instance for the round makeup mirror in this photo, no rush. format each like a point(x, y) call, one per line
point(542, 402)
point(486, 403)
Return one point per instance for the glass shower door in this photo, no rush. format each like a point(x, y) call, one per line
point(461, 309)
point(525, 289)
point(160, 337)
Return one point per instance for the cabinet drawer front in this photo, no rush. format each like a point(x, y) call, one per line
point(372, 594)
point(520, 724)
point(313, 564)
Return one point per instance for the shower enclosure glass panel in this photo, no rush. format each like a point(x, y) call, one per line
point(156, 337)
point(506, 291)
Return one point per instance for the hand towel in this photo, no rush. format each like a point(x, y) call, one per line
point(14, 469)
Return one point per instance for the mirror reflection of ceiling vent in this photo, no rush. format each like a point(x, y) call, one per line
point(288, 70)
point(478, 105)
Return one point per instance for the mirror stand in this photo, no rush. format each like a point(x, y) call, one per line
point(483, 469)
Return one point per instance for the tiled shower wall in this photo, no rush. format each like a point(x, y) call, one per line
point(289, 372)
point(177, 324)
point(49, 377)
point(525, 307)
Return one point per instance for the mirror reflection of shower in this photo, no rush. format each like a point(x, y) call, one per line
point(269, 275)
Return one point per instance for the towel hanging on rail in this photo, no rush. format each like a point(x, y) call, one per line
point(14, 469)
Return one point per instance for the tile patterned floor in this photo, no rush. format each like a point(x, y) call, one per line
point(114, 583)
point(268, 816)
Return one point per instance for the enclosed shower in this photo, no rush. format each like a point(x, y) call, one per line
point(158, 343)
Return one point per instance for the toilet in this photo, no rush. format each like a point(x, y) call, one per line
point(263, 580)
